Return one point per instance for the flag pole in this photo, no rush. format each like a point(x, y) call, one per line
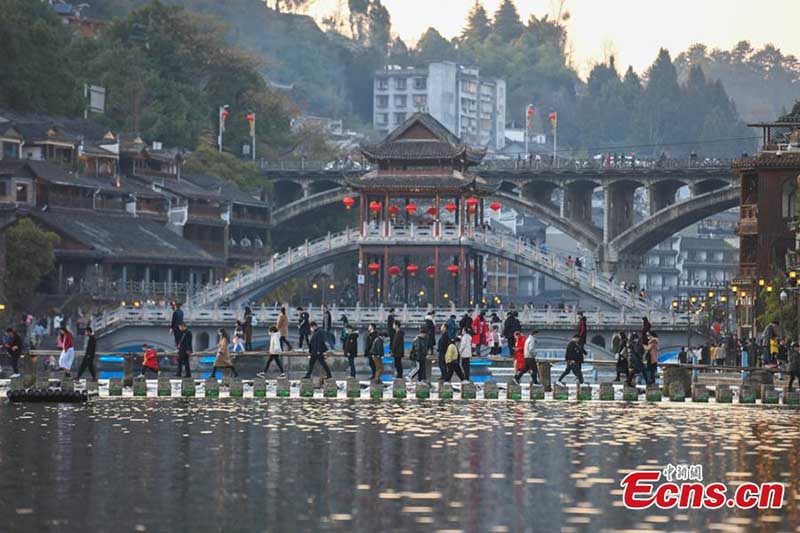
point(253, 137)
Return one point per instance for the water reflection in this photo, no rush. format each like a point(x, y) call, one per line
point(273, 465)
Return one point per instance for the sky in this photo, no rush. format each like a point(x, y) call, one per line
point(633, 29)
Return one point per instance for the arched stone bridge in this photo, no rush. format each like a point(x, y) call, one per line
point(263, 277)
point(562, 198)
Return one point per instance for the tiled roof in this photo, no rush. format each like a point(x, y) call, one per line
point(420, 181)
point(770, 160)
point(126, 237)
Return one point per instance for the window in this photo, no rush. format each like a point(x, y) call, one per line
point(3, 189)
point(400, 84)
point(22, 193)
point(382, 102)
point(10, 151)
point(420, 100)
point(383, 118)
point(400, 100)
point(420, 83)
point(399, 118)
point(383, 84)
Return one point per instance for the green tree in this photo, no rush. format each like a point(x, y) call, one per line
point(37, 69)
point(478, 27)
point(774, 309)
point(433, 47)
point(29, 259)
point(224, 166)
point(507, 26)
point(659, 112)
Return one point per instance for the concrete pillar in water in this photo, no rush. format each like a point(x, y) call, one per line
point(537, 392)
point(187, 387)
point(678, 374)
point(445, 391)
point(164, 385)
point(353, 388)
point(259, 388)
point(376, 390)
point(757, 378)
point(468, 391)
point(653, 393)
point(236, 389)
point(630, 394)
point(306, 388)
point(699, 393)
point(560, 392)
point(747, 393)
point(91, 388)
point(212, 388)
point(329, 389)
point(28, 367)
point(544, 375)
point(723, 394)
point(139, 386)
point(513, 390)
point(127, 372)
point(769, 395)
point(67, 384)
point(283, 388)
point(791, 397)
point(399, 389)
point(584, 392)
point(677, 390)
point(490, 390)
point(115, 387)
point(606, 391)
point(423, 391)
point(16, 383)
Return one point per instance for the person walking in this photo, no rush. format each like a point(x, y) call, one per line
point(303, 327)
point(87, 363)
point(518, 351)
point(480, 333)
point(177, 320)
point(419, 352)
point(635, 358)
point(274, 352)
point(651, 358)
point(184, 350)
point(495, 341)
point(583, 330)
point(451, 360)
point(794, 364)
point(67, 344)
point(351, 349)
point(327, 326)
point(451, 327)
point(645, 334)
point(13, 345)
point(574, 357)
point(376, 352)
point(430, 333)
point(622, 354)
point(529, 358)
point(238, 337)
point(223, 359)
point(149, 361)
point(282, 325)
point(465, 353)
point(390, 325)
point(316, 351)
point(247, 325)
point(397, 347)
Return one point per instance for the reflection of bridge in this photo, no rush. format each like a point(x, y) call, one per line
point(560, 197)
point(263, 277)
point(129, 327)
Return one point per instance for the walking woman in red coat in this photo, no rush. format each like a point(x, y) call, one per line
point(519, 351)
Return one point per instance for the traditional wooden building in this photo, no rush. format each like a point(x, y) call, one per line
point(421, 188)
point(769, 181)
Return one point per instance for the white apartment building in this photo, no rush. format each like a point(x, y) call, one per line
point(472, 107)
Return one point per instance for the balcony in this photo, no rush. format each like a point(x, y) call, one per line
point(748, 220)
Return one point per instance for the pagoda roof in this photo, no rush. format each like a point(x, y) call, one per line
point(422, 138)
point(424, 181)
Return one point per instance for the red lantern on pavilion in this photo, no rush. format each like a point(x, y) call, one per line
point(411, 209)
point(375, 207)
point(495, 206)
point(453, 270)
point(394, 270)
point(373, 268)
point(432, 211)
point(472, 204)
point(412, 269)
point(431, 270)
point(348, 202)
point(451, 207)
point(393, 211)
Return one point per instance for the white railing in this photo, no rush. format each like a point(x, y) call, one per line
point(555, 265)
point(264, 315)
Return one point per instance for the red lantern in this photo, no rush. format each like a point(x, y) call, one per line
point(432, 211)
point(393, 211)
point(412, 269)
point(453, 269)
point(431, 270)
point(348, 202)
point(451, 207)
point(373, 268)
point(394, 270)
point(495, 206)
point(411, 208)
point(375, 207)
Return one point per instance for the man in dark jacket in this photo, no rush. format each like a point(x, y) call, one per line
point(583, 330)
point(327, 326)
point(419, 352)
point(390, 325)
point(316, 351)
point(635, 358)
point(368, 350)
point(465, 324)
point(574, 357)
point(177, 320)
point(351, 349)
point(13, 348)
point(430, 332)
point(441, 349)
point(88, 356)
point(376, 352)
point(397, 347)
point(510, 327)
point(184, 350)
point(247, 323)
point(303, 327)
